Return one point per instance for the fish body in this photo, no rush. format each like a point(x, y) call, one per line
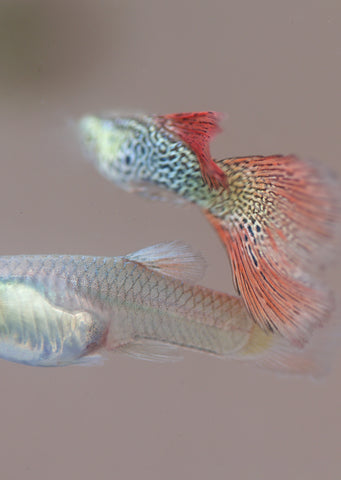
point(58, 310)
point(277, 215)
point(61, 310)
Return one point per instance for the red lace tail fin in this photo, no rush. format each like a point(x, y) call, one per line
point(280, 226)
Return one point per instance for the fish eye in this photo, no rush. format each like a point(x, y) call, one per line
point(127, 160)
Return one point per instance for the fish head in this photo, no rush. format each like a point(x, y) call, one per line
point(142, 154)
point(117, 146)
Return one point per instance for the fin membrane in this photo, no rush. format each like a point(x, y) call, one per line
point(314, 360)
point(151, 351)
point(280, 223)
point(174, 259)
point(197, 129)
point(93, 360)
point(275, 353)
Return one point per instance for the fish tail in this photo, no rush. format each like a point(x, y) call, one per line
point(280, 225)
point(275, 353)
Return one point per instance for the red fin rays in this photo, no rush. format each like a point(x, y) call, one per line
point(276, 300)
point(279, 225)
point(197, 129)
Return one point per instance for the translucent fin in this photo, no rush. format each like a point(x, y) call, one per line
point(151, 351)
point(282, 219)
point(174, 259)
point(89, 361)
point(275, 353)
point(197, 129)
point(314, 360)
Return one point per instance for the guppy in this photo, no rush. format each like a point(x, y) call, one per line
point(60, 310)
point(278, 216)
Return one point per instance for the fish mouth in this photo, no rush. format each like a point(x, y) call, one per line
point(87, 128)
point(101, 139)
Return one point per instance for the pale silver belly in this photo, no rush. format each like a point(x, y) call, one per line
point(35, 332)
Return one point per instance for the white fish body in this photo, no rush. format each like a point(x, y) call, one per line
point(61, 310)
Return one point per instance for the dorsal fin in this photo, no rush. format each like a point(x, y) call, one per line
point(174, 259)
point(197, 129)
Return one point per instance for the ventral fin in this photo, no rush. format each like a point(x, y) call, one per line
point(151, 351)
point(89, 361)
point(197, 129)
point(174, 259)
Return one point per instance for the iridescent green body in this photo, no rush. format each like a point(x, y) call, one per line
point(60, 310)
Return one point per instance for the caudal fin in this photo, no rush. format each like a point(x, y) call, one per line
point(197, 129)
point(280, 224)
point(275, 353)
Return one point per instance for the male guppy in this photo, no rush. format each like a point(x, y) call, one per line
point(276, 215)
point(61, 310)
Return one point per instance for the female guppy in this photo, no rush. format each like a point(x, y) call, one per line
point(276, 215)
point(59, 310)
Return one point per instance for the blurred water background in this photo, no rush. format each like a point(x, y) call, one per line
point(275, 68)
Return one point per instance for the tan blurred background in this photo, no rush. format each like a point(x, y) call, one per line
point(275, 68)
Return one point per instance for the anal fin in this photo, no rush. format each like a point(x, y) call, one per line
point(89, 361)
point(151, 351)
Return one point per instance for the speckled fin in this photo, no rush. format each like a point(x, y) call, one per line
point(174, 259)
point(283, 227)
point(151, 351)
point(197, 129)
